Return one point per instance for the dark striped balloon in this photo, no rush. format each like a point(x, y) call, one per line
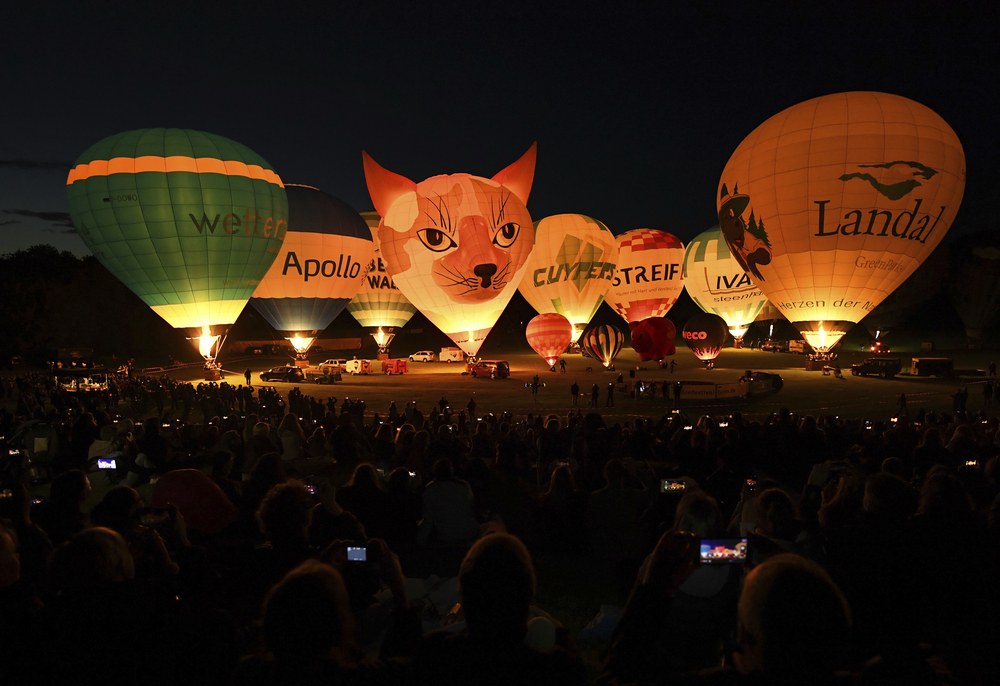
point(603, 342)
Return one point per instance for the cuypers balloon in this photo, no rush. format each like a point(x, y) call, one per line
point(705, 334)
point(717, 283)
point(831, 204)
point(456, 245)
point(189, 221)
point(549, 335)
point(571, 269)
point(324, 258)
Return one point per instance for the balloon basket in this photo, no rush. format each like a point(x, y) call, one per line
point(383, 356)
point(301, 363)
point(213, 375)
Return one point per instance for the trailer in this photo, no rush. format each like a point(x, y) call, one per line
point(943, 367)
point(451, 355)
point(391, 367)
point(359, 366)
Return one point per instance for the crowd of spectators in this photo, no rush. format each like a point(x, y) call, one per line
point(874, 552)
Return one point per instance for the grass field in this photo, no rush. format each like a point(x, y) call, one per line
point(803, 392)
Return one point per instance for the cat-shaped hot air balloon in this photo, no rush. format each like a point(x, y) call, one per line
point(456, 245)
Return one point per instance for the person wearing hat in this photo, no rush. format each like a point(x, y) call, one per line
point(748, 250)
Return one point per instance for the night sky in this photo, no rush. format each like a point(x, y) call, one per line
point(635, 110)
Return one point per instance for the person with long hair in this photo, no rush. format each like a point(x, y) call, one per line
point(365, 497)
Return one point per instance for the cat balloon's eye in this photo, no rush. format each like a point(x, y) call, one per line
point(506, 235)
point(436, 240)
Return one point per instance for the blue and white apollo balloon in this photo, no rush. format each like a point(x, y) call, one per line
point(322, 263)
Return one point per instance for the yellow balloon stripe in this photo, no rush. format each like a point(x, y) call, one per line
point(175, 163)
point(199, 314)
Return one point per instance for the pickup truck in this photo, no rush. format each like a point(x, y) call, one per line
point(885, 367)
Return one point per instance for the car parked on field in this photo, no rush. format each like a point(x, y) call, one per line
point(334, 365)
point(885, 367)
point(423, 356)
point(286, 374)
point(495, 369)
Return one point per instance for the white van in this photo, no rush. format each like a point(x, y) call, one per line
point(452, 355)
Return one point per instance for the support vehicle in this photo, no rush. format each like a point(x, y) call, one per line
point(422, 356)
point(884, 367)
point(452, 355)
point(495, 369)
point(394, 366)
point(359, 366)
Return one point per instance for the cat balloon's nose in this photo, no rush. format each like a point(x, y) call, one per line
point(485, 272)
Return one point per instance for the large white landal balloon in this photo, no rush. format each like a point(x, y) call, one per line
point(831, 204)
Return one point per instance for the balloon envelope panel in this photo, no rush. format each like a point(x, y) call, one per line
point(378, 302)
point(649, 277)
point(189, 221)
point(549, 335)
point(831, 204)
point(717, 283)
point(321, 264)
point(571, 268)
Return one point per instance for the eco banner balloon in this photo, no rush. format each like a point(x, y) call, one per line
point(379, 302)
point(549, 335)
point(456, 245)
point(603, 343)
point(831, 204)
point(189, 221)
point(705, 334)
point(717, 283)
point(649, 277)
point(322, 262)
point(571, 268)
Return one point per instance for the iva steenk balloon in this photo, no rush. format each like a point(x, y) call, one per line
point(189, 221)
point(456, 245)
point(831, 204)
point(717, 283)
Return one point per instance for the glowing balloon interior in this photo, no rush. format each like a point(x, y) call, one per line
point(549, 335)
point(831, 204)
point(603, 343)
point(379, 304)
point(717, 283)
point(705, 334)
point(456, 245)
point(320, 267)
point(571, 268)
point(649, 277)
point(189, 221)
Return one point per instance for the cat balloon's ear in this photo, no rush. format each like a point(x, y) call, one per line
point(385, 186)
point(517, 177)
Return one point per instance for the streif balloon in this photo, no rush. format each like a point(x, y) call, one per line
point(571, 268)
point(705, 334)
point(323, 260)
point(649, 277)
point(653, 338)
point(379, 305)
point(603, 343)
point(456, 245)
point(831, 204)
point(717, 283)
point(189, 221)
point(549, 335)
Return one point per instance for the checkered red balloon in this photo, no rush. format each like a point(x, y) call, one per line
point(549, 335)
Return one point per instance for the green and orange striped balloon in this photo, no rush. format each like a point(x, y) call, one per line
point(189, 221)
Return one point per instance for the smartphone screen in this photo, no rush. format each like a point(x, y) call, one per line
point(751, 484)
point(356, 554)
point(311, 488)
point(672, 485)
point(107, 464)
point(723, 551)
point(154, 517)
point(166, 425)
